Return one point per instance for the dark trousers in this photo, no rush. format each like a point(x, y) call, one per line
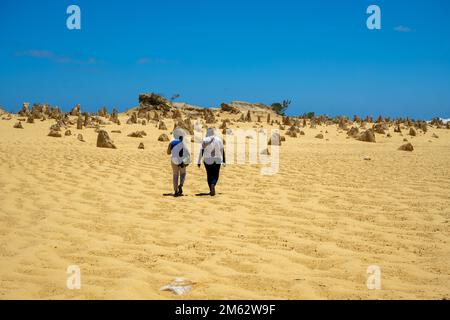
point(212, 171)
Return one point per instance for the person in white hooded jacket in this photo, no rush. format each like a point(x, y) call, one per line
point(213, 154)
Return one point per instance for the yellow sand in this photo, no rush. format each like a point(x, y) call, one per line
point(309, 232)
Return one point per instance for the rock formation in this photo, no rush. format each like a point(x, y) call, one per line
point(79, 123)
point(80, 137)
point(137, 134)
point(367, 136)
point(275, 139)
point(162, 126)
point(18, 125)
point(55, 134)
point(103, 140)
point(76, 110)
point(407, 147)
point(163, 138)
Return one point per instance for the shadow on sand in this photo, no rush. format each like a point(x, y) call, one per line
point(171, 195)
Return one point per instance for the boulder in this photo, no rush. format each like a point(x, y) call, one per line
point(407, 147)
point(423, 126)
point(367, 136)
point(25, 111)
point(291, 133)
point(132, 119)
point(55, 134)
point(275, 139)
point(75, 110)
point(137, 134)
point(18, 125)
point(162, 126)
point(412, 132)
point(103, 140)
point(353, 132)
point(163, 138)
point(80, 137)
point(378, 128)
point(55, 127)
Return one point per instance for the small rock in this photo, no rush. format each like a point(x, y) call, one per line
point(80, 137)
point(137, 134)
point(163, 138)
point(55, 134)
point(18, 125)
point(141, 146)
point(407, 147)
point(162, 126)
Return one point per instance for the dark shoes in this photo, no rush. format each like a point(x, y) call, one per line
point(212, 190)
point(179, 192)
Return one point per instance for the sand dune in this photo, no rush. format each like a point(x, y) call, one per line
point(309, 232)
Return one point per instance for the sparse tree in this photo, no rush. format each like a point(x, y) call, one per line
point(174, 97)
point(280, 108)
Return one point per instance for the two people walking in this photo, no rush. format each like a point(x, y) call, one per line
point(212, 152)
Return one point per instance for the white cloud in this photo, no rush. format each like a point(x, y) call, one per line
point(49, 55)
point(152, 61)
point(403, 29)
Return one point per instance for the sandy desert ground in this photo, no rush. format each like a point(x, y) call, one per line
point(309, 232)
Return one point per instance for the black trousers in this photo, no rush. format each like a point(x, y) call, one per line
point(212, 172)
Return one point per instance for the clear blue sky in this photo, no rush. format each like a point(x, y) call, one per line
point(317, 53)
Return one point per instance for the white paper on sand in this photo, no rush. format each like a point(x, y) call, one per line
point(178, 286)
